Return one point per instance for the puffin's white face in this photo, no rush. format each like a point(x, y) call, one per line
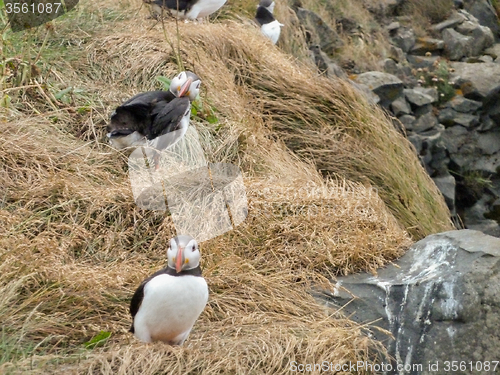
point(185, 84)
point(183, 253)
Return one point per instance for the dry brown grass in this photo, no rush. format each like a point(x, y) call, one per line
point(74, 246)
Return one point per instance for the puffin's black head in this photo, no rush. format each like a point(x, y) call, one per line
point(264, 16)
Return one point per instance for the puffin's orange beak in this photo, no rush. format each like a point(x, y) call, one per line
point(185, 87)
point(178, 260)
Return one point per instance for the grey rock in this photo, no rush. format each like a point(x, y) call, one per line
point(422, 61)
point(456, 45)
point(320, 33)
point(454, 138)
point(408, 121)
point(393, 26)
point(365, 91)
point(487, 124)
point(486, 163)
point(400, 107)
point(420, 97)
point(416, 141)
point(425, 44)
point(450, 117)
point(325, 64)
point(482, 36)
point(446, 185)
point(483, 11)
point(404, 38)
point(493, 51)
point(477, 82)
point(461, 104)
point(390, 66)
point(440, 300)
point(425, 122)
point(423, 110)
point(488, 143)
point(397, 54)
point(452, 21)
point(387, 86)
point(475, 216)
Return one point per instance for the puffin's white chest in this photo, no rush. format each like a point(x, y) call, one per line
point(272, 30)
point(170, 307)
point(134, 139)
point(203, 8)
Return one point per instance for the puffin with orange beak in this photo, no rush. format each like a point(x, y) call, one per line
point(152, 114)
point(167, 304)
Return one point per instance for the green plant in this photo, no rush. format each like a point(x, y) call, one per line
point(439, 78)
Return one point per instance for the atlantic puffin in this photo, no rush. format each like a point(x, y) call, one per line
point(185, 9)
point(167, 304)
point(151, 114)
point(269, 26)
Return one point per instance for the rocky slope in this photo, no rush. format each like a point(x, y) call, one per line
point(441, 88)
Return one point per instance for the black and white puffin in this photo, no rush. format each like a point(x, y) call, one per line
point(269, 26)
point(185, 9)
point(151, 114)
point(167, 304)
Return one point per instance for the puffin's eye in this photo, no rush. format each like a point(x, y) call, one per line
point(194, 248)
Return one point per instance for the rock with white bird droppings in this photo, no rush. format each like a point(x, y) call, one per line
point(440, 301)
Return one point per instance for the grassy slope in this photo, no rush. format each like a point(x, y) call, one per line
point(73, 245)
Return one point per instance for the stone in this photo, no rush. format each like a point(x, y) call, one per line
point(446, 185)
point(425, 122)
point(422, 61)
point(424, 45)
point(452, 21)
point(477, 82)
point(461, 104)
point(419, 97)
point(493, 51)
point(416, 141)
point(454, 138)
point(397, 54)
point(320, 33)
point(450, 117)
point(476, 216)
point(404, 38)
point(482, 36)
point(325, 64)
point(440, 301)
point(456, 45)
point(408, 121)
point(488, 143)
point(485, 14)
point(400, 107)
point(387, 86)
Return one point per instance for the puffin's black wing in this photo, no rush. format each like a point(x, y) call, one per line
point(264, 16)
point(148, 99)
point(168, 119)
point(138, 296)
point(137, 113)
point(181, 5)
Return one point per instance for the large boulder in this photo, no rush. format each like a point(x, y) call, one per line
point(440, 302)
point(319, 32)
point(387, 86)
point(485, 13)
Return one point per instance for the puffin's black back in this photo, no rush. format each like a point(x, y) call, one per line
point(136, 301)
point(264, 16)
point(138, 112)
point(168, 118)
point(181, 5)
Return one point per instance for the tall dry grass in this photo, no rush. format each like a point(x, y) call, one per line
point(74, 246)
